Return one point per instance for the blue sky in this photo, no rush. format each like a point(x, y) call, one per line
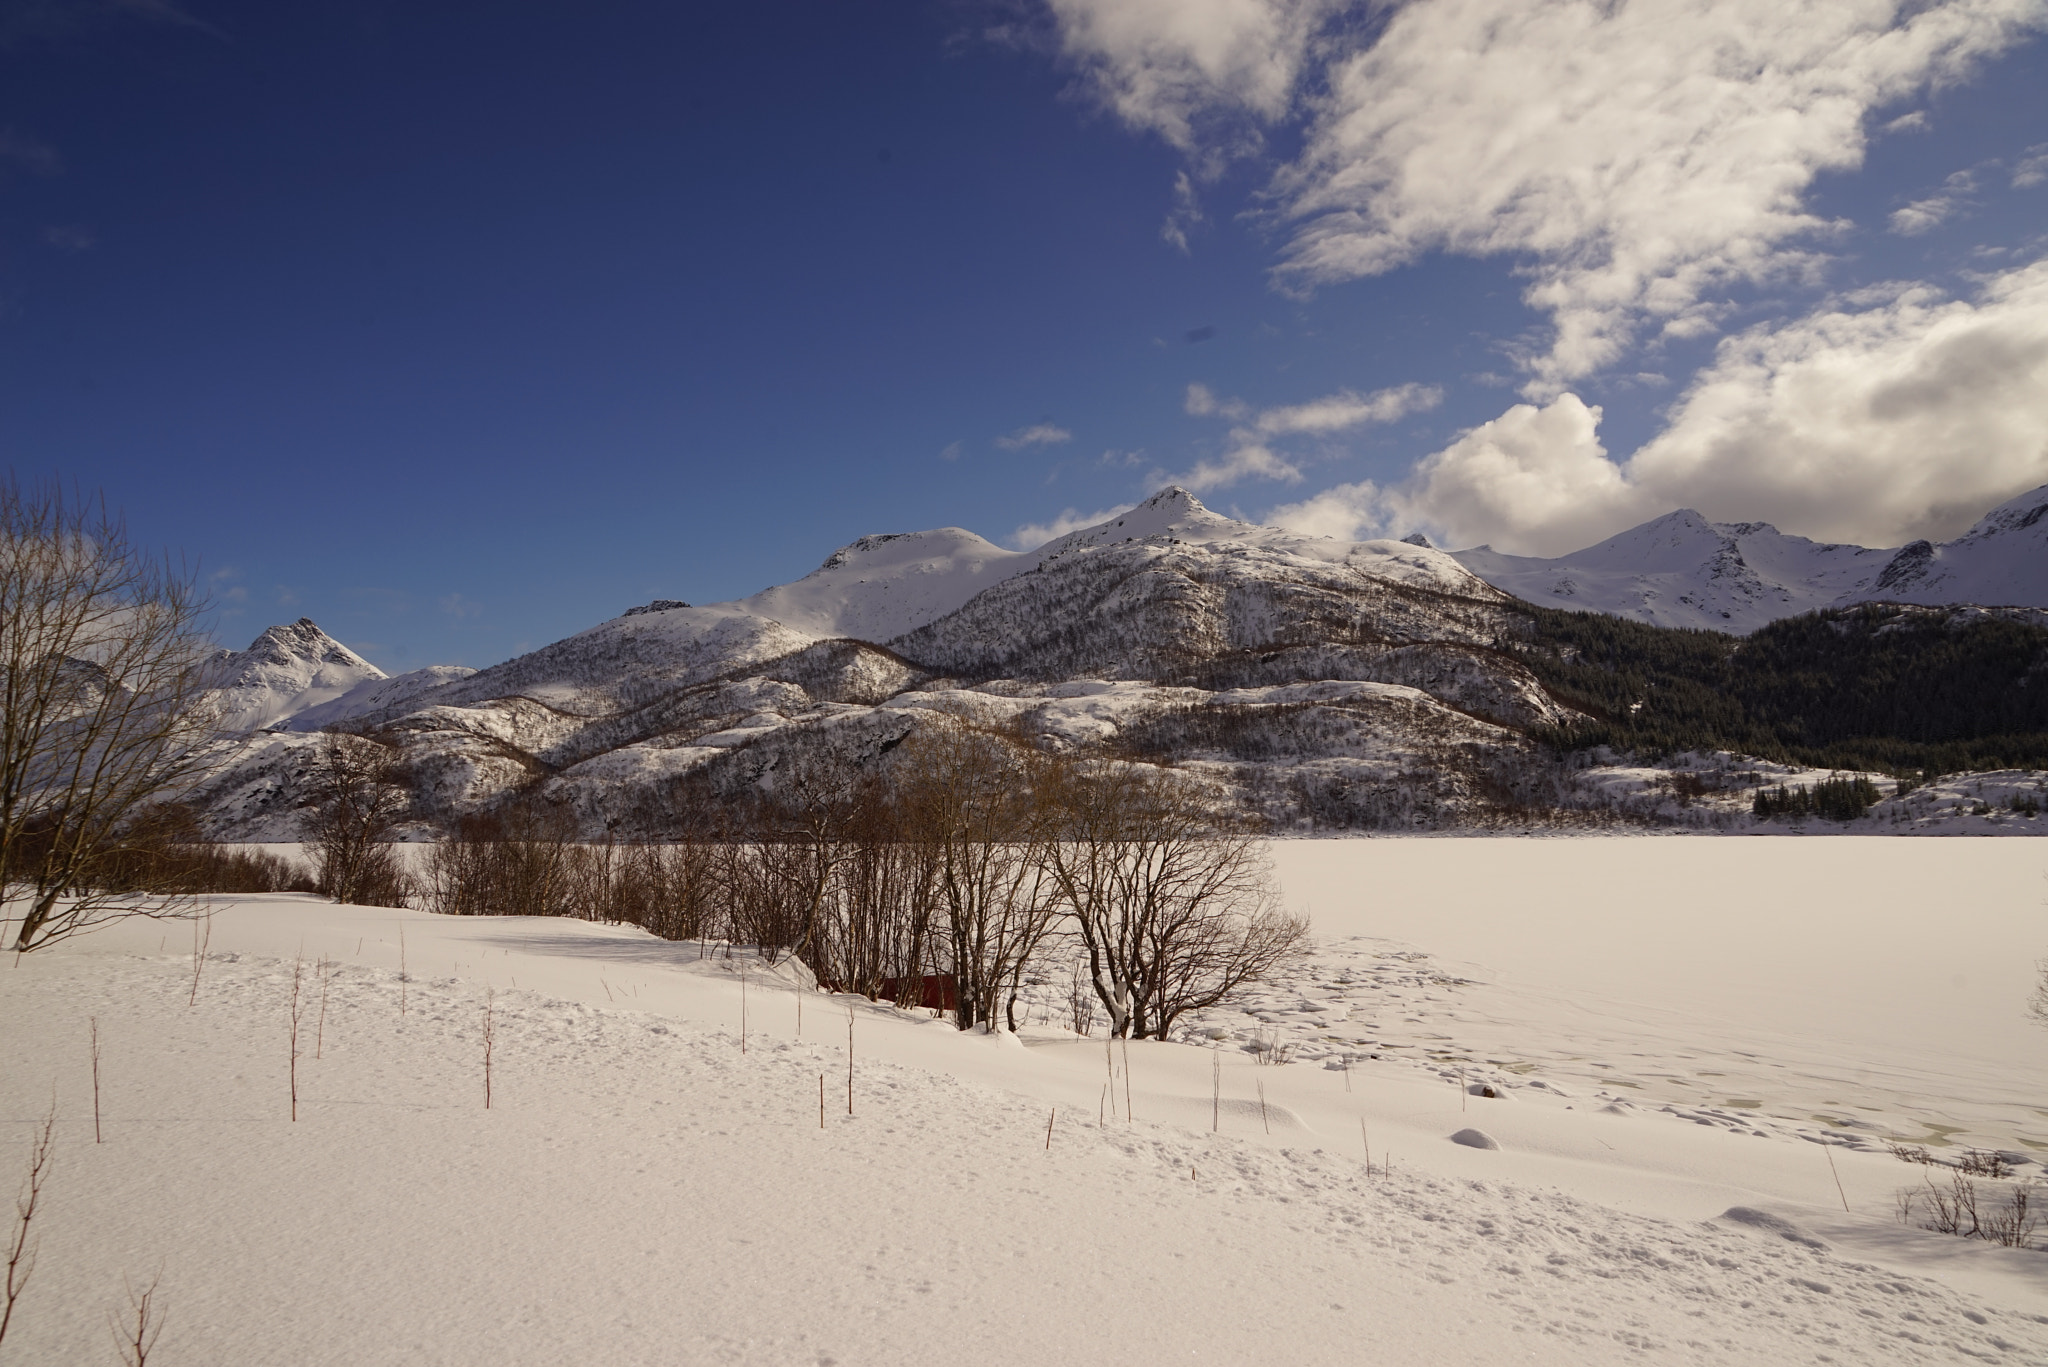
point(459, 327)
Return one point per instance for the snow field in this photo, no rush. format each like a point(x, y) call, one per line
point(642, 1191)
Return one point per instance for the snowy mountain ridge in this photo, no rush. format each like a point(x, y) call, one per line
point(1681, 570)
point(284, 671)
point(1104, 636)
point(1370, 684)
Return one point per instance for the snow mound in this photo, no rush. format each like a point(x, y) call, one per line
point(1475, 1139)
point(1771, 1224)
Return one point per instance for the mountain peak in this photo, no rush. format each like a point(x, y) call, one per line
point(1174, 501)
point(285, 670)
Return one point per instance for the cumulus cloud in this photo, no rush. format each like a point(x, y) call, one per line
point(1248, 451)
point(1893, 414)
point(1039, 434)
point(1636, 159)
point(1032, 535)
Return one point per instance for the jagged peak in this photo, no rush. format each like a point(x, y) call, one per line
point(1174, 499)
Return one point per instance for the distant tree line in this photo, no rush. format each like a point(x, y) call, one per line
point(1883, 687)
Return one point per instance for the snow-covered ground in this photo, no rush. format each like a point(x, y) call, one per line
point(643, 1191)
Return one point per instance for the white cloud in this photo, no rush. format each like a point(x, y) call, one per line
point(1248, 451)
point(1925, 215)
point(1185, 216)
point(1181, 68)
point(1636, 158)
point(1039, 434)
point(1895, 414)
point(951, 451)
point(2032, 167)
point(1032, 535)
point(1242, 460)
point(1905, 417)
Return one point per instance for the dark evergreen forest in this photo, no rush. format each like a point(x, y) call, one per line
point(1902, 690)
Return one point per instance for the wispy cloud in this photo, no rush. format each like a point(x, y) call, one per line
point(1926, 214)
point(29, 154)
point(2032, 167)
point(1039, 434)
point(1249, 450)
point(1035, 534)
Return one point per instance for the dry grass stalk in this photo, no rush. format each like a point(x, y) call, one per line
point(1829, 1150)
point(199, 948)
point(94, 1021)
point(320, 1031)
point(298, 982)
point(490, 1035)
point(1128, 1116)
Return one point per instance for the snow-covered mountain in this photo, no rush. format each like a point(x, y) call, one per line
point(1375, 683)
point(1168, 628)
point(298, 678)
point(2001, 562)
point(1681, 570)
point(285, 671)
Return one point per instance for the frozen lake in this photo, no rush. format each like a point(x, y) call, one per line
point(1878, 981)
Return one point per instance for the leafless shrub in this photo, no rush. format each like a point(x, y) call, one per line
point(360, 794)
point(1080, 1002)
point(518, 862)
point(136, 1333)
point(1909, 1153)
point(1266, 1048)
point(1983, 1163)
point(21, 1253)
point(1960, 1207)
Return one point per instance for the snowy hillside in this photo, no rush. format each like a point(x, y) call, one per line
point(882, 586)
point(284, 672)
point(2003, 560)
point(1681, 570)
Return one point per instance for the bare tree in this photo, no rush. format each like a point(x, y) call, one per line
point(360, 795)
point(1174, 905)
point(969, 794)
point(102, 682)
